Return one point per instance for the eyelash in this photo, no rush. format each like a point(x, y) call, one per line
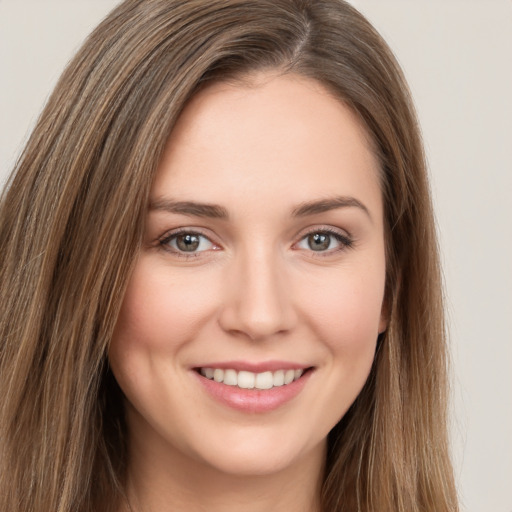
point(345, 241)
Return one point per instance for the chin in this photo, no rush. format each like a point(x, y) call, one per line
point(258, 452)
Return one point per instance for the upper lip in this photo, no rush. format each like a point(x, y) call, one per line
point(255, 367)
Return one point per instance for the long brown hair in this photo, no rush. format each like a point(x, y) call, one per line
point(71, 222)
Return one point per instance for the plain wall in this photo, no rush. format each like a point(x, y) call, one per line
point(457, 56)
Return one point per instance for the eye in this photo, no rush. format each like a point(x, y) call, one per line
point(324, 241)
point(187, 242)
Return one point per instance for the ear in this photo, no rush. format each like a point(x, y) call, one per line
point(384, 317)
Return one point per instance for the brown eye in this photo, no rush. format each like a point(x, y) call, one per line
point(187, 242)
point(326, 241)
point(319, 241)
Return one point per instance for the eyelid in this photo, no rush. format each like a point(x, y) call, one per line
point(324, 228)
point(169, 235)
point(342, 236)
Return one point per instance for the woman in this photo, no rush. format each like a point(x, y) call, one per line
point(220, 283)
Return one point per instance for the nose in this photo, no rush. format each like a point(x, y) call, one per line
point(258, 302)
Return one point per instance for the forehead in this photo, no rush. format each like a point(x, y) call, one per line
point(278, 135)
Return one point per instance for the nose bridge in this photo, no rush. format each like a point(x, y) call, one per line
point(258, 301)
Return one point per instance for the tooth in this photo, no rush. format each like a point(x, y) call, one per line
point(279, 378)
point(250, 380)
point(289, 376)
point(264, 380)
point(218, 375)
point(246, 380)
point(230, 378)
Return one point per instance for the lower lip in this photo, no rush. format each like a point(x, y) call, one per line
point(253, 400)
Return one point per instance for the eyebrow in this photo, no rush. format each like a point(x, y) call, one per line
point(325, 205)
point(189, 208)
point(215, 211)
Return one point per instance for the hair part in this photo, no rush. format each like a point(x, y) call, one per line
point(71, 224)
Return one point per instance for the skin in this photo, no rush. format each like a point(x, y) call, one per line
point(254, 290)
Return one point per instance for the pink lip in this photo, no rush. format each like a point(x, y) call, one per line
point(252, 400)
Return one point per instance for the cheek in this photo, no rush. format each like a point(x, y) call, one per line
point(346, 317)
point(343, 315)
point(161, 313)
point(346, 311)
point(162, 310)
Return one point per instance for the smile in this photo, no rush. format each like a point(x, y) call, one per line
point(250, 380)
point(253, 388)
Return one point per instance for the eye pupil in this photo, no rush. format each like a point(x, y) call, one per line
point(187, 242)
point(319, 241)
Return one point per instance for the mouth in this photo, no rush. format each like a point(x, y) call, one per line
point(253, 387)
point(248, 380)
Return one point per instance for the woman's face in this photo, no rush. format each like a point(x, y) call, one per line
point(250, 322)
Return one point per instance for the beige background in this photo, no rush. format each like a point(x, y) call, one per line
point(457, 56)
